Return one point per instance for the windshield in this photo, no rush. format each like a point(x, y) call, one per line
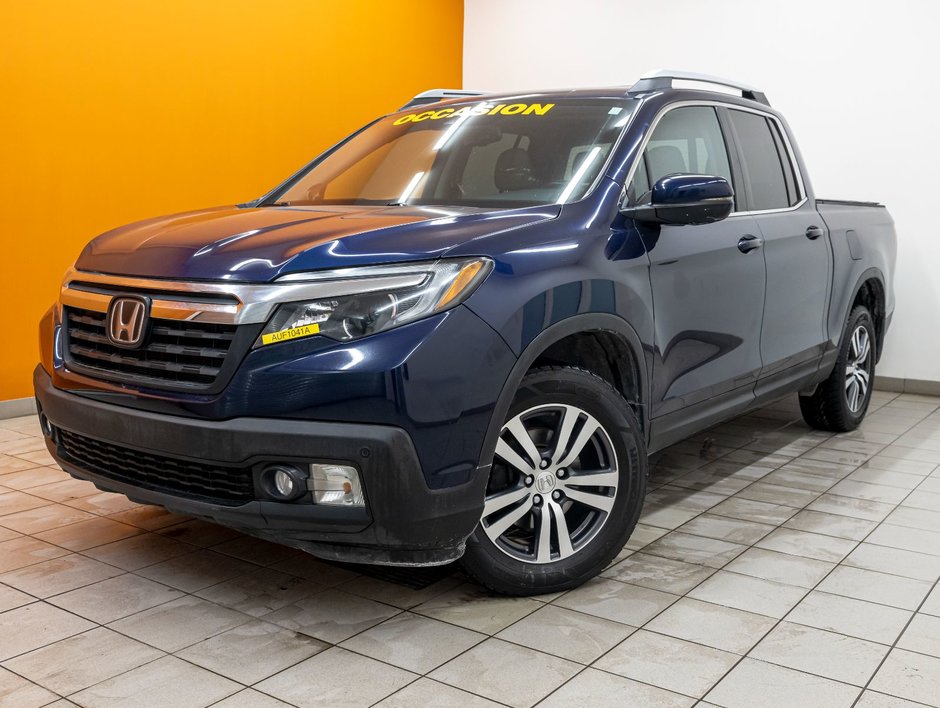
point(470, 154)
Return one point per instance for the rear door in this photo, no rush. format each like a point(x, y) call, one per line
point(708, 293)
point(796, 247)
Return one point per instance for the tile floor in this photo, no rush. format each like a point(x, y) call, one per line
point(773, 565)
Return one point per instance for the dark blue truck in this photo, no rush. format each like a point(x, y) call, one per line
point(460, 332)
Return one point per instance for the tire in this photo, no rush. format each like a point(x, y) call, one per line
point(511, 551)
point(840, 402)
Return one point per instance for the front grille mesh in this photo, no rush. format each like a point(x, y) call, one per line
point(175, 352)
point(223, 485)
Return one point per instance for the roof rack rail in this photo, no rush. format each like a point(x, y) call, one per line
point(663, 78)
point(435, 95)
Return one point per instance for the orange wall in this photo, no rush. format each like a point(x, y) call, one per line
point(117, 110)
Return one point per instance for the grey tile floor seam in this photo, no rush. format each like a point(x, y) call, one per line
point(909, 620)
point(854, 515)
point(894, 644)
point(741, 657)
point(182, 649)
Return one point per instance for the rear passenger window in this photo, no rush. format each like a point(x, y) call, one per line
point(789, 173)
point(769, 172)
point(687, 141)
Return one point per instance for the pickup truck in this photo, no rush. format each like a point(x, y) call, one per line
point(460, 332)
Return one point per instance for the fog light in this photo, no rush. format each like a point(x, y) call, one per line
point(284, 482)
point(336, 484)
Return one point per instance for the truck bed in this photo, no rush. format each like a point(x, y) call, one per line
point(863, 243)
point(848, 202)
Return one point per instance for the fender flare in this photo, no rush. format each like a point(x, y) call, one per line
point(871, 273)
point(594, 321)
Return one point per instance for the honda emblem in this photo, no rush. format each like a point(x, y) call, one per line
point(127, 321)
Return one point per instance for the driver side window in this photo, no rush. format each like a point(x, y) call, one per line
point(686, 141)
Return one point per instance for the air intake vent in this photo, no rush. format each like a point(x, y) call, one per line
point(175, 353)
point(195, 480)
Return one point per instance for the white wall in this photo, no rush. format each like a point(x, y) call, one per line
point(858, 82)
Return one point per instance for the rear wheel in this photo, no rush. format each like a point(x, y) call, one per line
point(840, 402)
point(566, 486)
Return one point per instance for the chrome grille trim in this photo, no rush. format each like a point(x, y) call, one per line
point(226, 303)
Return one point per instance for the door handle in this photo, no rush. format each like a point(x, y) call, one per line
point(813, 232)
point(749, 243)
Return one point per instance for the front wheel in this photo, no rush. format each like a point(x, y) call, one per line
point(566, 486)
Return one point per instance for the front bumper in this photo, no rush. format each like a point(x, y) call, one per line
point(404, 522)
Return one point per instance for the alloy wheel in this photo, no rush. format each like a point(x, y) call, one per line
point(553, 484)
point(857, 368)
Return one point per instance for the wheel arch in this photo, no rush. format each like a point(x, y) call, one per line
point(870, 292)
point(567, 342)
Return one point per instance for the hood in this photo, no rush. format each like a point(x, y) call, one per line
point(260, 244)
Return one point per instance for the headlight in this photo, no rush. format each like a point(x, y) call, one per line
point(373, 299)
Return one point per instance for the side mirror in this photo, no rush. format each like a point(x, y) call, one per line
point(686, 200)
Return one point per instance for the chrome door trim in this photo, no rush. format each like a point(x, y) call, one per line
point(731, 106)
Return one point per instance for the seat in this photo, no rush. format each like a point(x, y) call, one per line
point(665, 160)
point(513, 170)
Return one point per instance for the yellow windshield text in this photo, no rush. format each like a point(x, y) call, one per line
point(481, 109)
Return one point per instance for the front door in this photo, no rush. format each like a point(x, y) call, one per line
point(708, 280)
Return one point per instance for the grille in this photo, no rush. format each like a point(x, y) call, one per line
point(189, 354)
point(223, 485)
